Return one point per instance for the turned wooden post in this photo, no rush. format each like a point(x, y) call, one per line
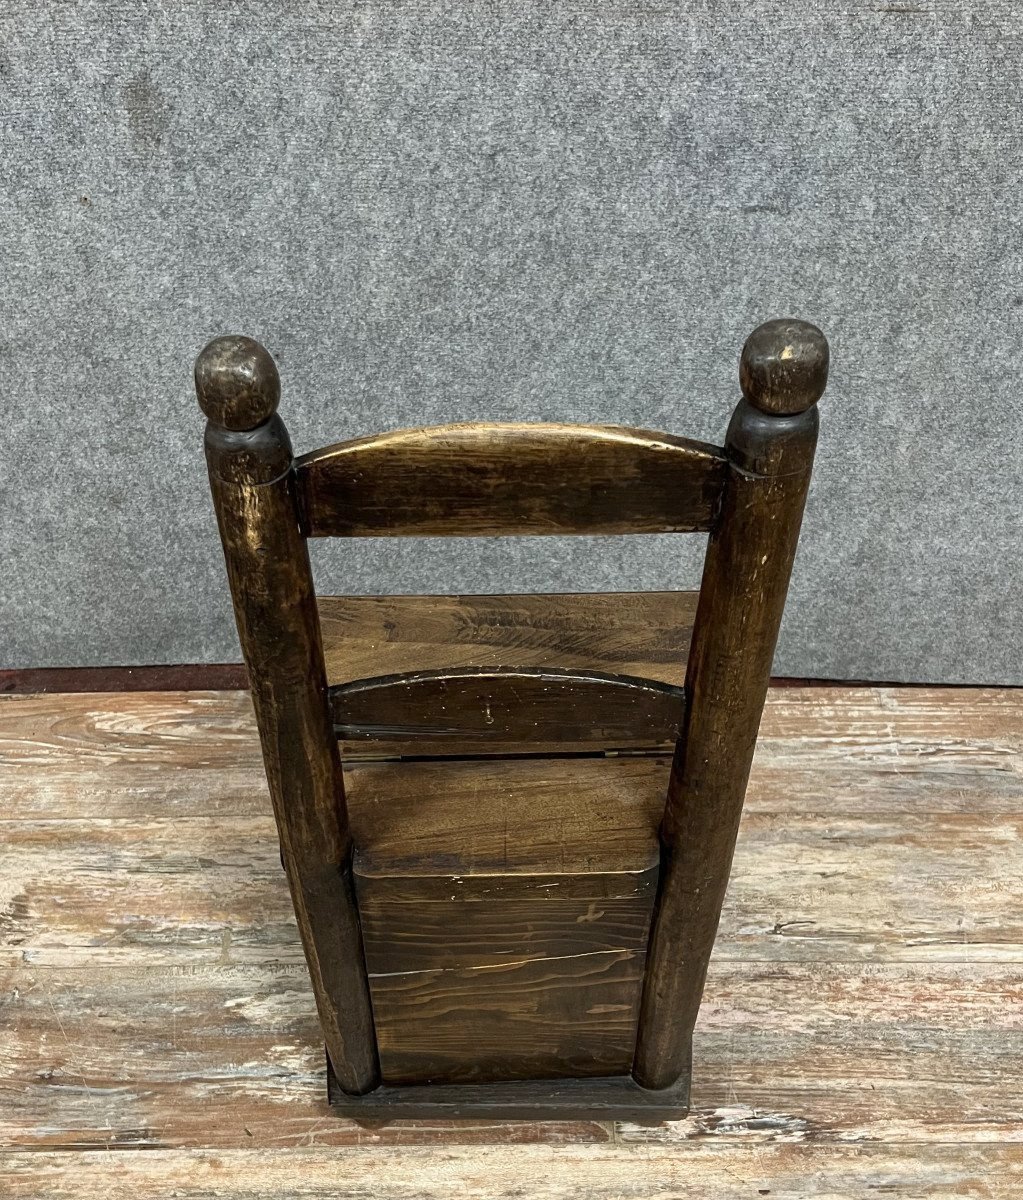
point(250, 465)
point(770, 445)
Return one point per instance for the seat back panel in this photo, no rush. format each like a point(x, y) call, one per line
point(492, 480)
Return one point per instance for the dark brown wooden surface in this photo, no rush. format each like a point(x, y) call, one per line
point(181, 677)
point(506, 710)
point(608, 1098)
point(770, 446)
point(249, 458)
point(614, 913)
point(568, 1016)
point(206, 677)
point(493, 479)
point(505, 907)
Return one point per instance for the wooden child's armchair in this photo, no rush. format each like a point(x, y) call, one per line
point(509, 894)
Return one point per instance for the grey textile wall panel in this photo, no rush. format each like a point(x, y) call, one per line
point(444, 211)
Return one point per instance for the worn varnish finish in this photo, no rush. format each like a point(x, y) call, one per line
point(249, 457)
point(503, 710)
point(783, 1167)
point(462, 1020)
point(861, 1030)
point(619, 633)
point(623, 635)
point(573, 815)
point(498, 479)
point(770, 445)
point(511, 899)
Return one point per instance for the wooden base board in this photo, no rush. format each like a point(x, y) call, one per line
point(614, 1098)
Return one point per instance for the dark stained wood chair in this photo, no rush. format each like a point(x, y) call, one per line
point(509, 892)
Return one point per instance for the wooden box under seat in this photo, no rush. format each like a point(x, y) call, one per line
point(505, 911)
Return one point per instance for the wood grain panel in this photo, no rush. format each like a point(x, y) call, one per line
point(505, 909)
point(218, 1054)
point(485, 480)
point(841, 750)
point(422, 941)
point(535, 817)
point(563, 1017)
point(164, 893)
point(645, 634)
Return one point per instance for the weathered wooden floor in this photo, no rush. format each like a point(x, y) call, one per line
point(862, 1031)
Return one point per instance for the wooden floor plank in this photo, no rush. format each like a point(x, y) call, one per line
point(862, 1028)
point(847, 750)
point(805, 887)
point(783, 1171)
point(851, 1052)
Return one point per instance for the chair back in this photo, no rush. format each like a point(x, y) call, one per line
point(490, 479)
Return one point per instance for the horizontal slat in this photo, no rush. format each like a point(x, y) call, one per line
point(406, 937)
point(506, 710)
point(621, 633)
point(489, 480)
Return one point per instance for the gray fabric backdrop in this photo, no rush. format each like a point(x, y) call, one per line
point(436, 211)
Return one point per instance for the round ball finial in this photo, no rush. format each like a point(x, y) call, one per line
point(784, 366)
point(237, 383)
